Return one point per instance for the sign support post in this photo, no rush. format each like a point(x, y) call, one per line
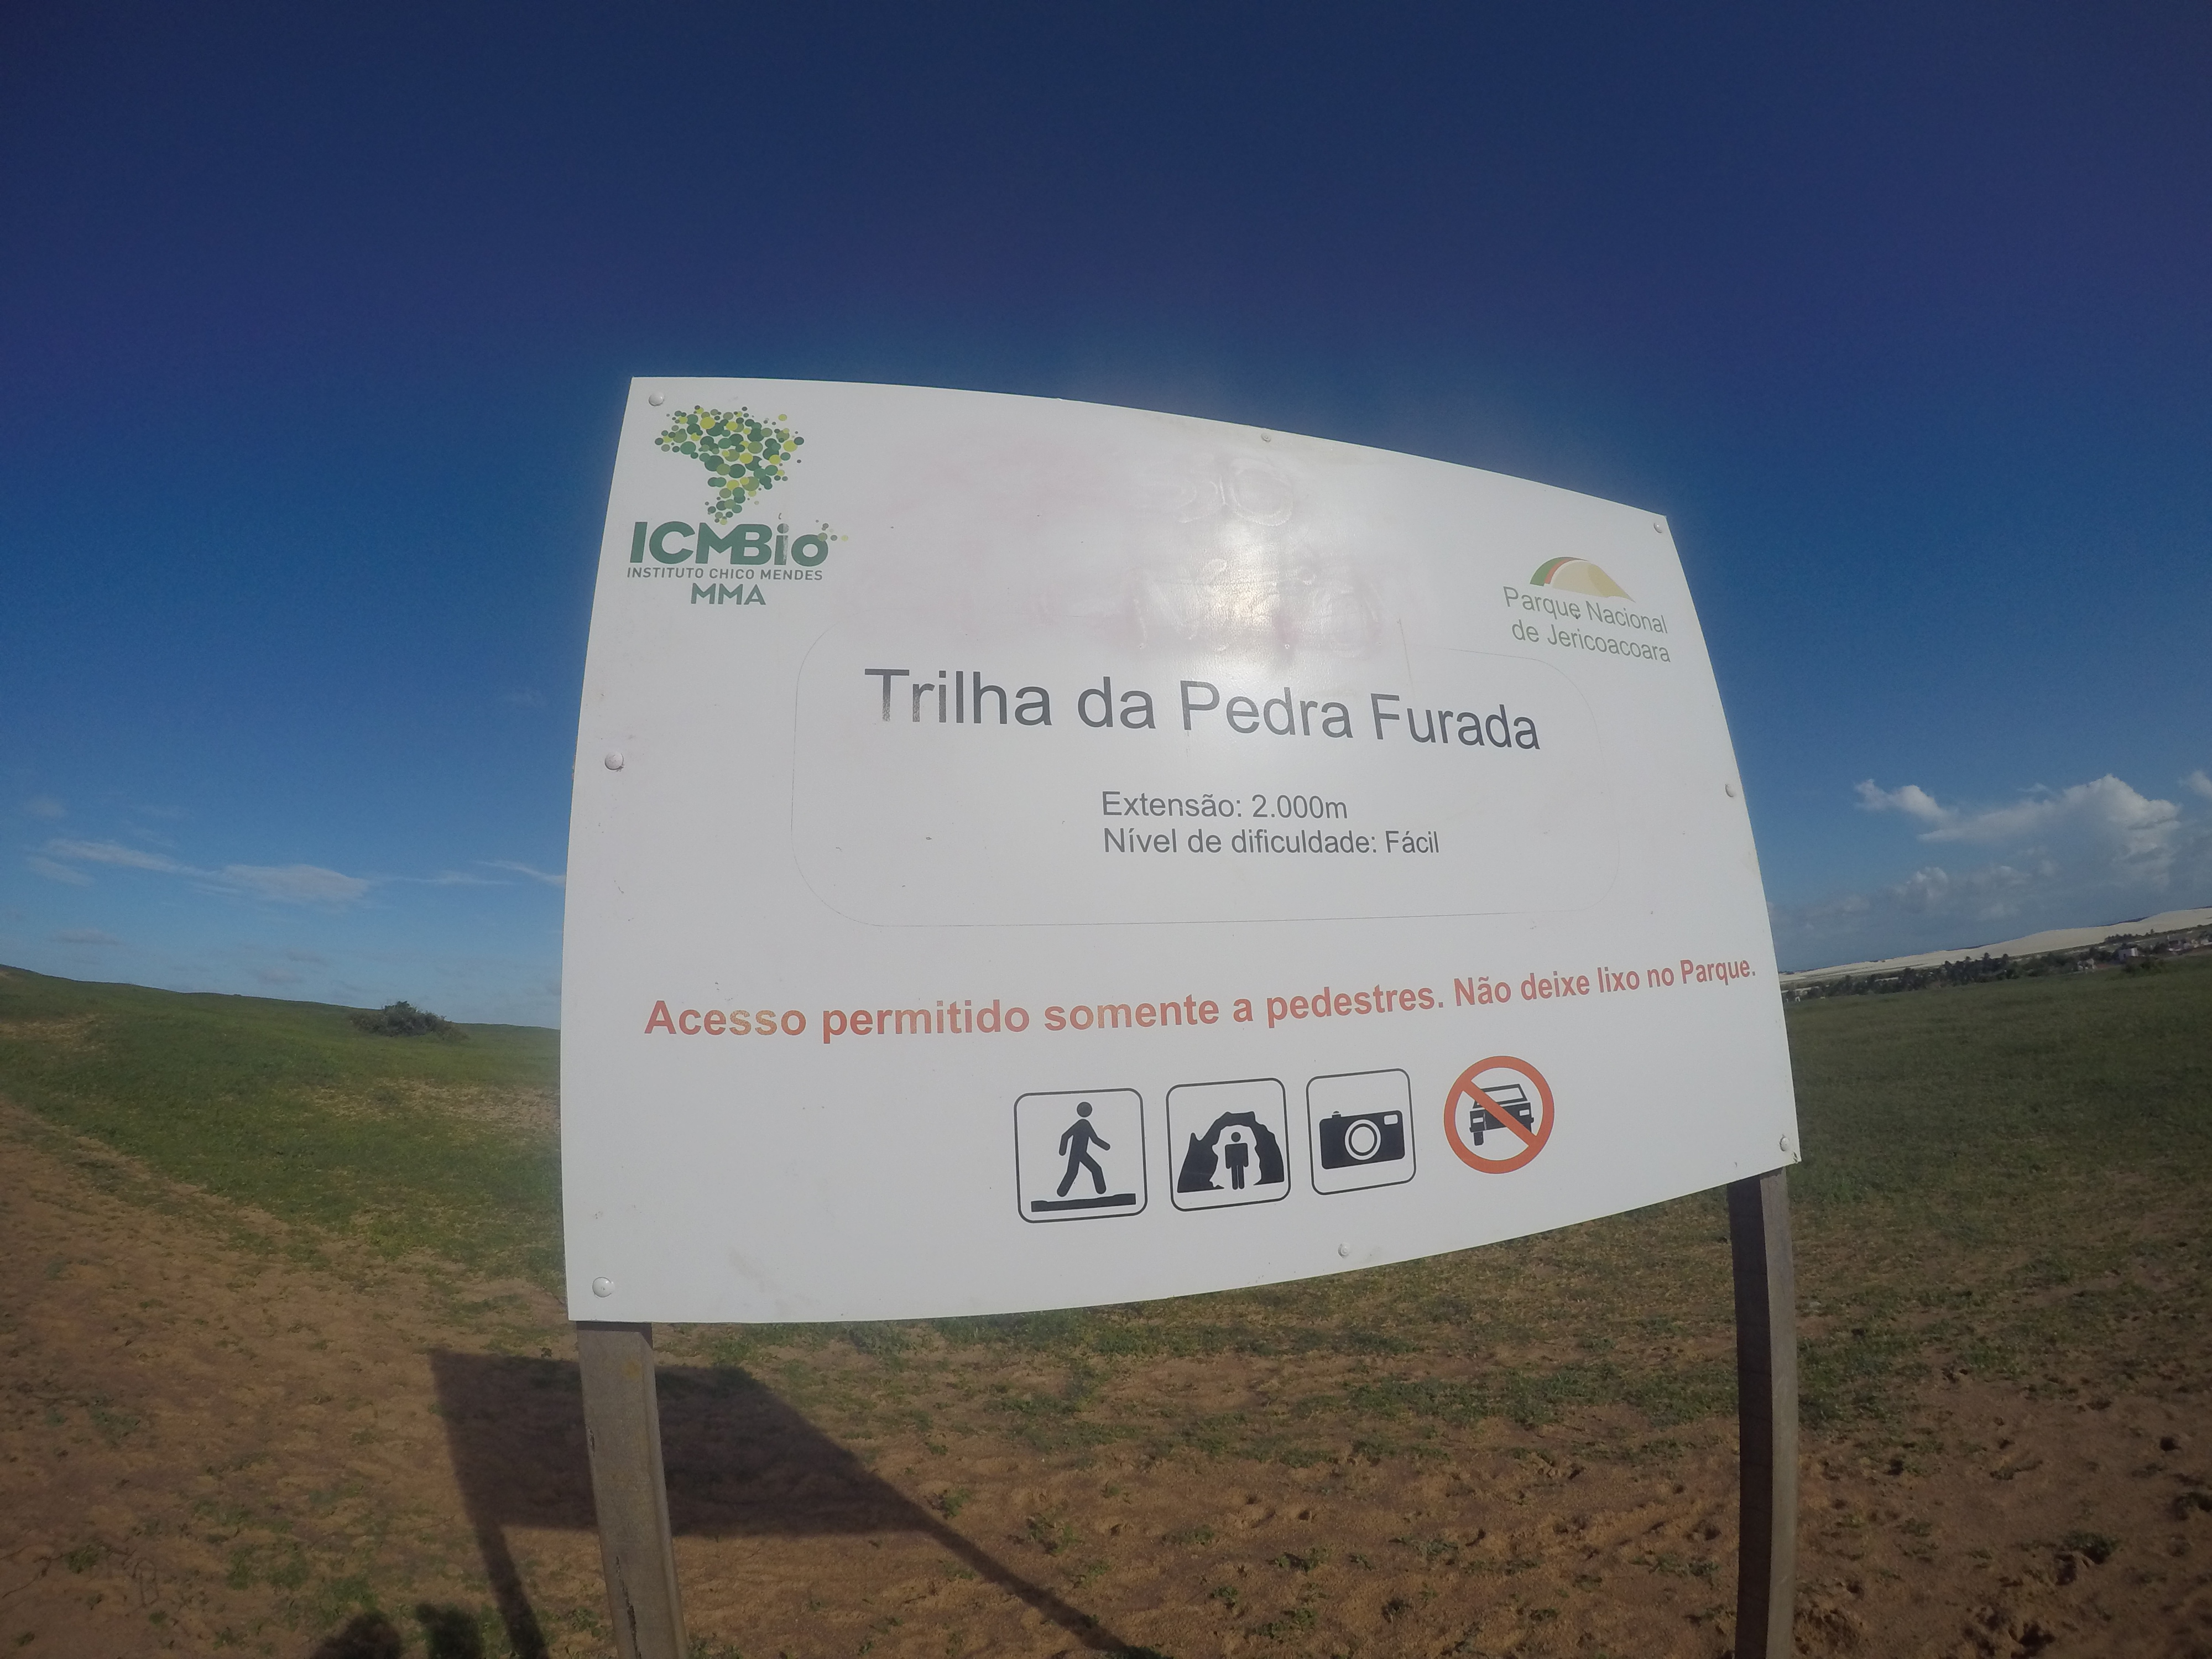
point(621, 1425)
point(1767, 1408)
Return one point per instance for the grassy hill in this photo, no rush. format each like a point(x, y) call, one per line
point(2003, 1224)
point(405, 1143)
point(1996, 1174)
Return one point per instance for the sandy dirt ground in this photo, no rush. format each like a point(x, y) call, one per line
point(213, 1440)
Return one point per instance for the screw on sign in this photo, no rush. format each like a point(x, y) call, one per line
point(1498, 1111)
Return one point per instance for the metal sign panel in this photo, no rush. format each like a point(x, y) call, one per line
point(1033, 855)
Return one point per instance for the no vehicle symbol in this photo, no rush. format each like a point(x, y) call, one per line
point(1498, 1114)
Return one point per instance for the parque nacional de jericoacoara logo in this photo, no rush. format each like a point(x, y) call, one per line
point(744, 456)
point(1587, 624)
point(1576, 576)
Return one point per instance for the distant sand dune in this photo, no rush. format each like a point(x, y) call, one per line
point(2055, 939)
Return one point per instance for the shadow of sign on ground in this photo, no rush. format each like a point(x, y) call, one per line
point(740, 1463)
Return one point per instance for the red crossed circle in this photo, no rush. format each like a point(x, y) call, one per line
point(1532, 1141)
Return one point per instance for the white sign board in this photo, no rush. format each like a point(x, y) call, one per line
point(1030, 854)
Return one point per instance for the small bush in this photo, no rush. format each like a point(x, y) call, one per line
point(2095, 1546)
point(405, 1019)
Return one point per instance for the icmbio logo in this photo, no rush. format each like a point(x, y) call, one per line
point(682, 542)
point(745, 456)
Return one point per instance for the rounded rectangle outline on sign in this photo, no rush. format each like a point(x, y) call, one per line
point(1313, 1132)
point(808, 766)
point(1144, 1165)
point(1283, 1104)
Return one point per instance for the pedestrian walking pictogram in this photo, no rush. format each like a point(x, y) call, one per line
point(1228, 1141)
point(1080, 1154)
point(1076, 1141)
point(1491, 1121)
point(1360, 1124)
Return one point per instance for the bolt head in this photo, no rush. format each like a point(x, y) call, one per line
point(658, 398)
point(614, 760)
point(603, 1287)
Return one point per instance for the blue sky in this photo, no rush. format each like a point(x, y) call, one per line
point(309, 320)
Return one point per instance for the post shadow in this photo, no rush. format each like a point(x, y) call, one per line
point(740, 1464)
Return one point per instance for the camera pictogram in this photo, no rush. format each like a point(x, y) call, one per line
point(1361, 1128)
point(1365, 1137)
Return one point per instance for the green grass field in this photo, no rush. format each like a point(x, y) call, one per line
point(2011, 1178)
point(2007, 1185)
point(406, 1145)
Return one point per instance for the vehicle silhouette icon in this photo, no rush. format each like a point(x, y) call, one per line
point(1513, 1099)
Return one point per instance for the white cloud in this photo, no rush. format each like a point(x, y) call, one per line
point(462, 879)
point(524, 697)
point(1924, 890)
point(111, 852)
point(276, 976)
point(1911, 800)
point(2104, 818)
point(286, 884)
point(2197, 783)
point(85, 936)
point(2100, 851)
point(1989, 894)
point(294, 883)
point(289, 884)
point(2107, 808)
point(45, 807)
point(551, 878)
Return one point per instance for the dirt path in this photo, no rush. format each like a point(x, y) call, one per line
point(212, 1442)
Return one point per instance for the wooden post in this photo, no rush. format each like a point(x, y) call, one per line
point(1766, 1407)
point(621, 1423)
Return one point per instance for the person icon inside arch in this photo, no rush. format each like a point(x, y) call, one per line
point(1236, 1153)
point(1080, 1137)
